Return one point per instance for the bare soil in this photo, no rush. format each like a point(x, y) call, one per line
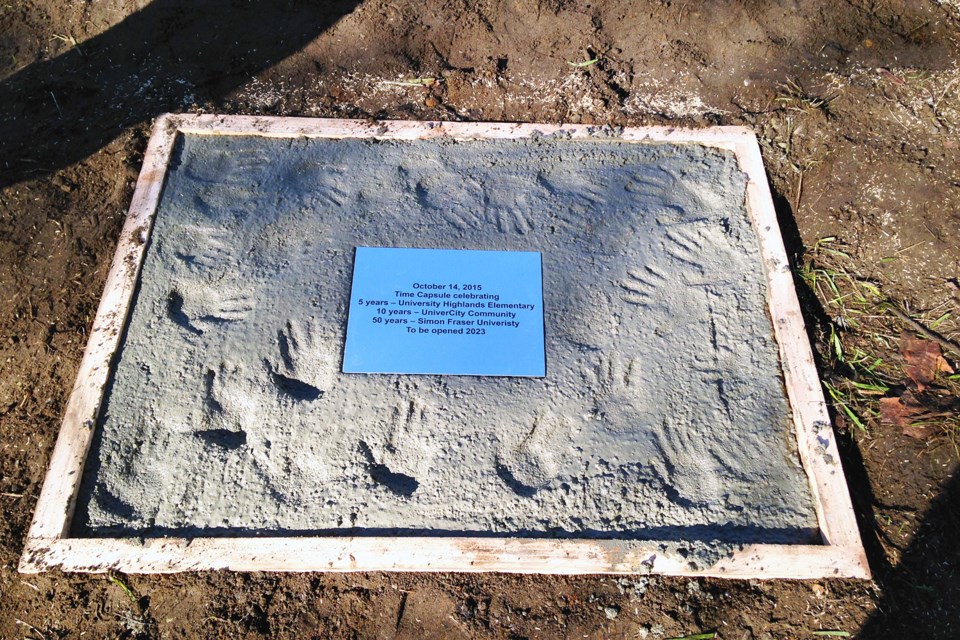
point(857, 103)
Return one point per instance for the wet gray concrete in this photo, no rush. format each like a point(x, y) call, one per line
point(662, 415)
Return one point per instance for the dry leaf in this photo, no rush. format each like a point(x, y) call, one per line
point(902, 412)
point(919, 432)
point(921, 401)
point(923, 360)
point(895, 413)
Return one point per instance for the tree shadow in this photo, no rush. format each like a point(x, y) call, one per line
point(166, 57)
point(921, 594)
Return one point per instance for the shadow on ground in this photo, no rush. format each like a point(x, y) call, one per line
point(168, 56)
point(921, 594)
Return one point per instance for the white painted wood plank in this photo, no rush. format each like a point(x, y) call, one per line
point(57, 498)
point(418, 554)
point(816, 443)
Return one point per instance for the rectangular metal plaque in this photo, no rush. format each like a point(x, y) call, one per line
point(439, 311)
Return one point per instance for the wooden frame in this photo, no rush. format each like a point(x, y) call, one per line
point(49, 546)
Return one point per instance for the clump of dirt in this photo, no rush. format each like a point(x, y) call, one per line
point(857, 107)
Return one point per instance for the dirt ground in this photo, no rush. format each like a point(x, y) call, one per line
point(856, 102)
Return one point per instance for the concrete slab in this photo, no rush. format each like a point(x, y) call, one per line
point(663, 426)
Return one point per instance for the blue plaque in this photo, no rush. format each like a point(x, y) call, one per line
point(439, 311)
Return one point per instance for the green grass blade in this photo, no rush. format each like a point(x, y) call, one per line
point(936, 323)
point(842, 405)
point(117, 581)
point(879, 388)
point(873, 289)
point(837, 346)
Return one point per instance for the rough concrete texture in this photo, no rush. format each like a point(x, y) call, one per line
point(662, 416)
